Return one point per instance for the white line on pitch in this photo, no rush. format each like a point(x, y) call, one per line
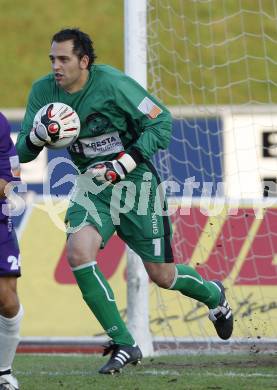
point(145, 372)
point(237, 374)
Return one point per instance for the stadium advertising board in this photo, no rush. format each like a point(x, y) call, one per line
point(237, 248)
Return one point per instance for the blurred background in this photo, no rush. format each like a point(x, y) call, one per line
point(222, 52)
point(28, 27)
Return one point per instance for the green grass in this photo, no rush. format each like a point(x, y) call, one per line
point(201, 52)
point(50, 372)
point(27, 28)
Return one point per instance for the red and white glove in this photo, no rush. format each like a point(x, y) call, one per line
point(39, 135)
point(113, 171)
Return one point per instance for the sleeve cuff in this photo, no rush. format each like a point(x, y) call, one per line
point(127, 163)
point(136, 155)
point(31, 146)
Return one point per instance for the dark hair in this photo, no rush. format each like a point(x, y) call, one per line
point(82, 44)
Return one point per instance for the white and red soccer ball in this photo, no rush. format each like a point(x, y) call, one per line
point(63, 121)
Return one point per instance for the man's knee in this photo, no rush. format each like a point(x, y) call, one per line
point(82, 246)
point(74, 256)
point(161, 274)
point(163, 281)
point(78, 254)
point(9, 302)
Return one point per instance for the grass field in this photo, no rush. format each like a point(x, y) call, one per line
point(72, 372)
point(200, 52)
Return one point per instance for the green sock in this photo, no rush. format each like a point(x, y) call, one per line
point(99, 296)
point(190, 283)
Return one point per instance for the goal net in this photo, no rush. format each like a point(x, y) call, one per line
point(213, 63)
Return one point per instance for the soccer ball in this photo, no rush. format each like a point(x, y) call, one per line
point(62, 123)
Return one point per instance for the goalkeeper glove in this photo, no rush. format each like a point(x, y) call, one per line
point(45, 131)
point(113, 171)
point(39, 136)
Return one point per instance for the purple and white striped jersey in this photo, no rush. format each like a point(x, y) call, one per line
point(9, 161)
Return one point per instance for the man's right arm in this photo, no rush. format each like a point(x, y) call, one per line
point(26, 150)
point(3, 184)
point(9, 162)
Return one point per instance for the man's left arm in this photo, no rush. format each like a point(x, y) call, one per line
point(9, 161)
point(26, 149)
point(152, 126)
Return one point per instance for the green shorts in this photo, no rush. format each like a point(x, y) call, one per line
point(134, 208)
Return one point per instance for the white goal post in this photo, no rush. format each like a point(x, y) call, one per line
point(135, 50)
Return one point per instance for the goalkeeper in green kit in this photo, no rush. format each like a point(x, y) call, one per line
point(122, 126)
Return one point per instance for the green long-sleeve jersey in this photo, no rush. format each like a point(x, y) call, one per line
point(115, 112)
